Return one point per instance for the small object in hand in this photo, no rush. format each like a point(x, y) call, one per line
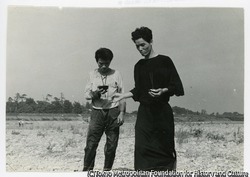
point(104, 87)
point(154, 90)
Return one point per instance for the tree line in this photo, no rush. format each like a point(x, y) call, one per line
point(183, 111)
point(21, 103)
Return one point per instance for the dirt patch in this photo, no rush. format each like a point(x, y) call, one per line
point(48, 146)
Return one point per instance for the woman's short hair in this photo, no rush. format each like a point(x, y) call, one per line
point(104, 53)
point(142, 32)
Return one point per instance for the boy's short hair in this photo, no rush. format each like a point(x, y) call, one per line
point(142, 32)
point(104, 53)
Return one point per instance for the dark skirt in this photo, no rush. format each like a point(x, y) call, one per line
point(154, 138)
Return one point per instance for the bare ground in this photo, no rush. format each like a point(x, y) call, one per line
point(48, 146)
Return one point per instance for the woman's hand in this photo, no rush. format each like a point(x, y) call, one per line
point(157, 92)
point(117, 97)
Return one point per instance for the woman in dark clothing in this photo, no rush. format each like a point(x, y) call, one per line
point(156, 79)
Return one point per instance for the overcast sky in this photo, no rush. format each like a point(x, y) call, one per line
point(51, 50)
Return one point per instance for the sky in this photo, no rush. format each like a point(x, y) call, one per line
point(50, 50)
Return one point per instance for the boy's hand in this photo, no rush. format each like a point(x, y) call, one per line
point(95, 95)
point(101, 90)
point(120, 119)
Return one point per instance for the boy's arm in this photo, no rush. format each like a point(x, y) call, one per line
point(88, 89)
point(122, 103)
point(122, 107)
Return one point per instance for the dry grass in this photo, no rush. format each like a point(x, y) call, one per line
point(210, 146)
point(46, 146)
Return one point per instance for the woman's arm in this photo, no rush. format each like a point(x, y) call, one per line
point(120, 96)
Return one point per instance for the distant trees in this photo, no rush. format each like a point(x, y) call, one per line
point(203, 112)
point(233, 116)
point(10, 105)
point(67, 106)
point(185, 112)
point(43, 107)
point(22, 104)
point(77, 108)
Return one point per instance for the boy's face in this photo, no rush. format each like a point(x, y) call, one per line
point(143, 47)
point(103, 65)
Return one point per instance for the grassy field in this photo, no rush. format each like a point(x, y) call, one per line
point(47, 146)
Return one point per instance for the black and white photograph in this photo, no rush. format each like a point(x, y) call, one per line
point(124, 88)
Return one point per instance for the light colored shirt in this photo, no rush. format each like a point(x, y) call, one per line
point(113, 80)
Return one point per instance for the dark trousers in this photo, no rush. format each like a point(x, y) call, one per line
point(102, 121)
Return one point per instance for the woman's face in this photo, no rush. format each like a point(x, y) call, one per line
point(143, 47)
